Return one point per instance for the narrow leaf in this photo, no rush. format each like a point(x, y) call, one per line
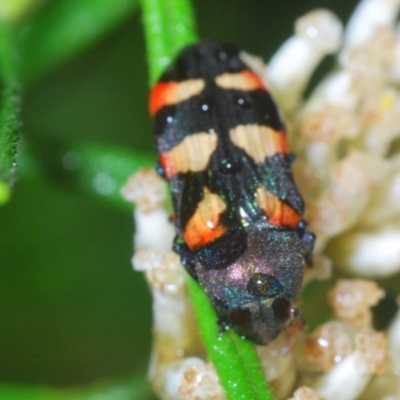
point(64, 29)
point(9, 110)
point(100, 170)
point(138, 389)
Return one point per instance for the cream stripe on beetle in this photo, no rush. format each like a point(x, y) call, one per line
point(204, 226)
point(244, 80)
point(278, 212)
point(259, 141)
point(192, 154)
point(172, 92)
point(187, 89)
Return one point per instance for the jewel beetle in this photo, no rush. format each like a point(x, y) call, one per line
point(238, 215)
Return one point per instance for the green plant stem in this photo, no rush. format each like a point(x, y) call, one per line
point(64, 29)
point(9, 110)
point(181, 24)
point(234, 358)
point(169, 26)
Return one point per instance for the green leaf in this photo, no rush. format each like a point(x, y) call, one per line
point(12, 10)
point(9, 110)
point(103, 170)
point(5, 193)
point(138, 389)
point(64, 29)
point(98, 169)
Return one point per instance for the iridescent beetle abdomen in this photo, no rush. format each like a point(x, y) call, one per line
point(238, 215)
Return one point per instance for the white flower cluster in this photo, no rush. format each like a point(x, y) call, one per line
point(346, 135)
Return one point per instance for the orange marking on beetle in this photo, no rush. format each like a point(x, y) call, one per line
point(245, 80)
point(167, 164)
point(259, 141)
point(168, 93)
point(278, 212)
point(204, 226)
point(192, 154)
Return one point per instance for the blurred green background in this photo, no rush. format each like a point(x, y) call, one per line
point(72, 310)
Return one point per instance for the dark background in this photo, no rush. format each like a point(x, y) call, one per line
point(72, 311)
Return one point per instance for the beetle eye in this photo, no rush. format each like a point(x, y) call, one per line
point(282, 310)
point(240, 318)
